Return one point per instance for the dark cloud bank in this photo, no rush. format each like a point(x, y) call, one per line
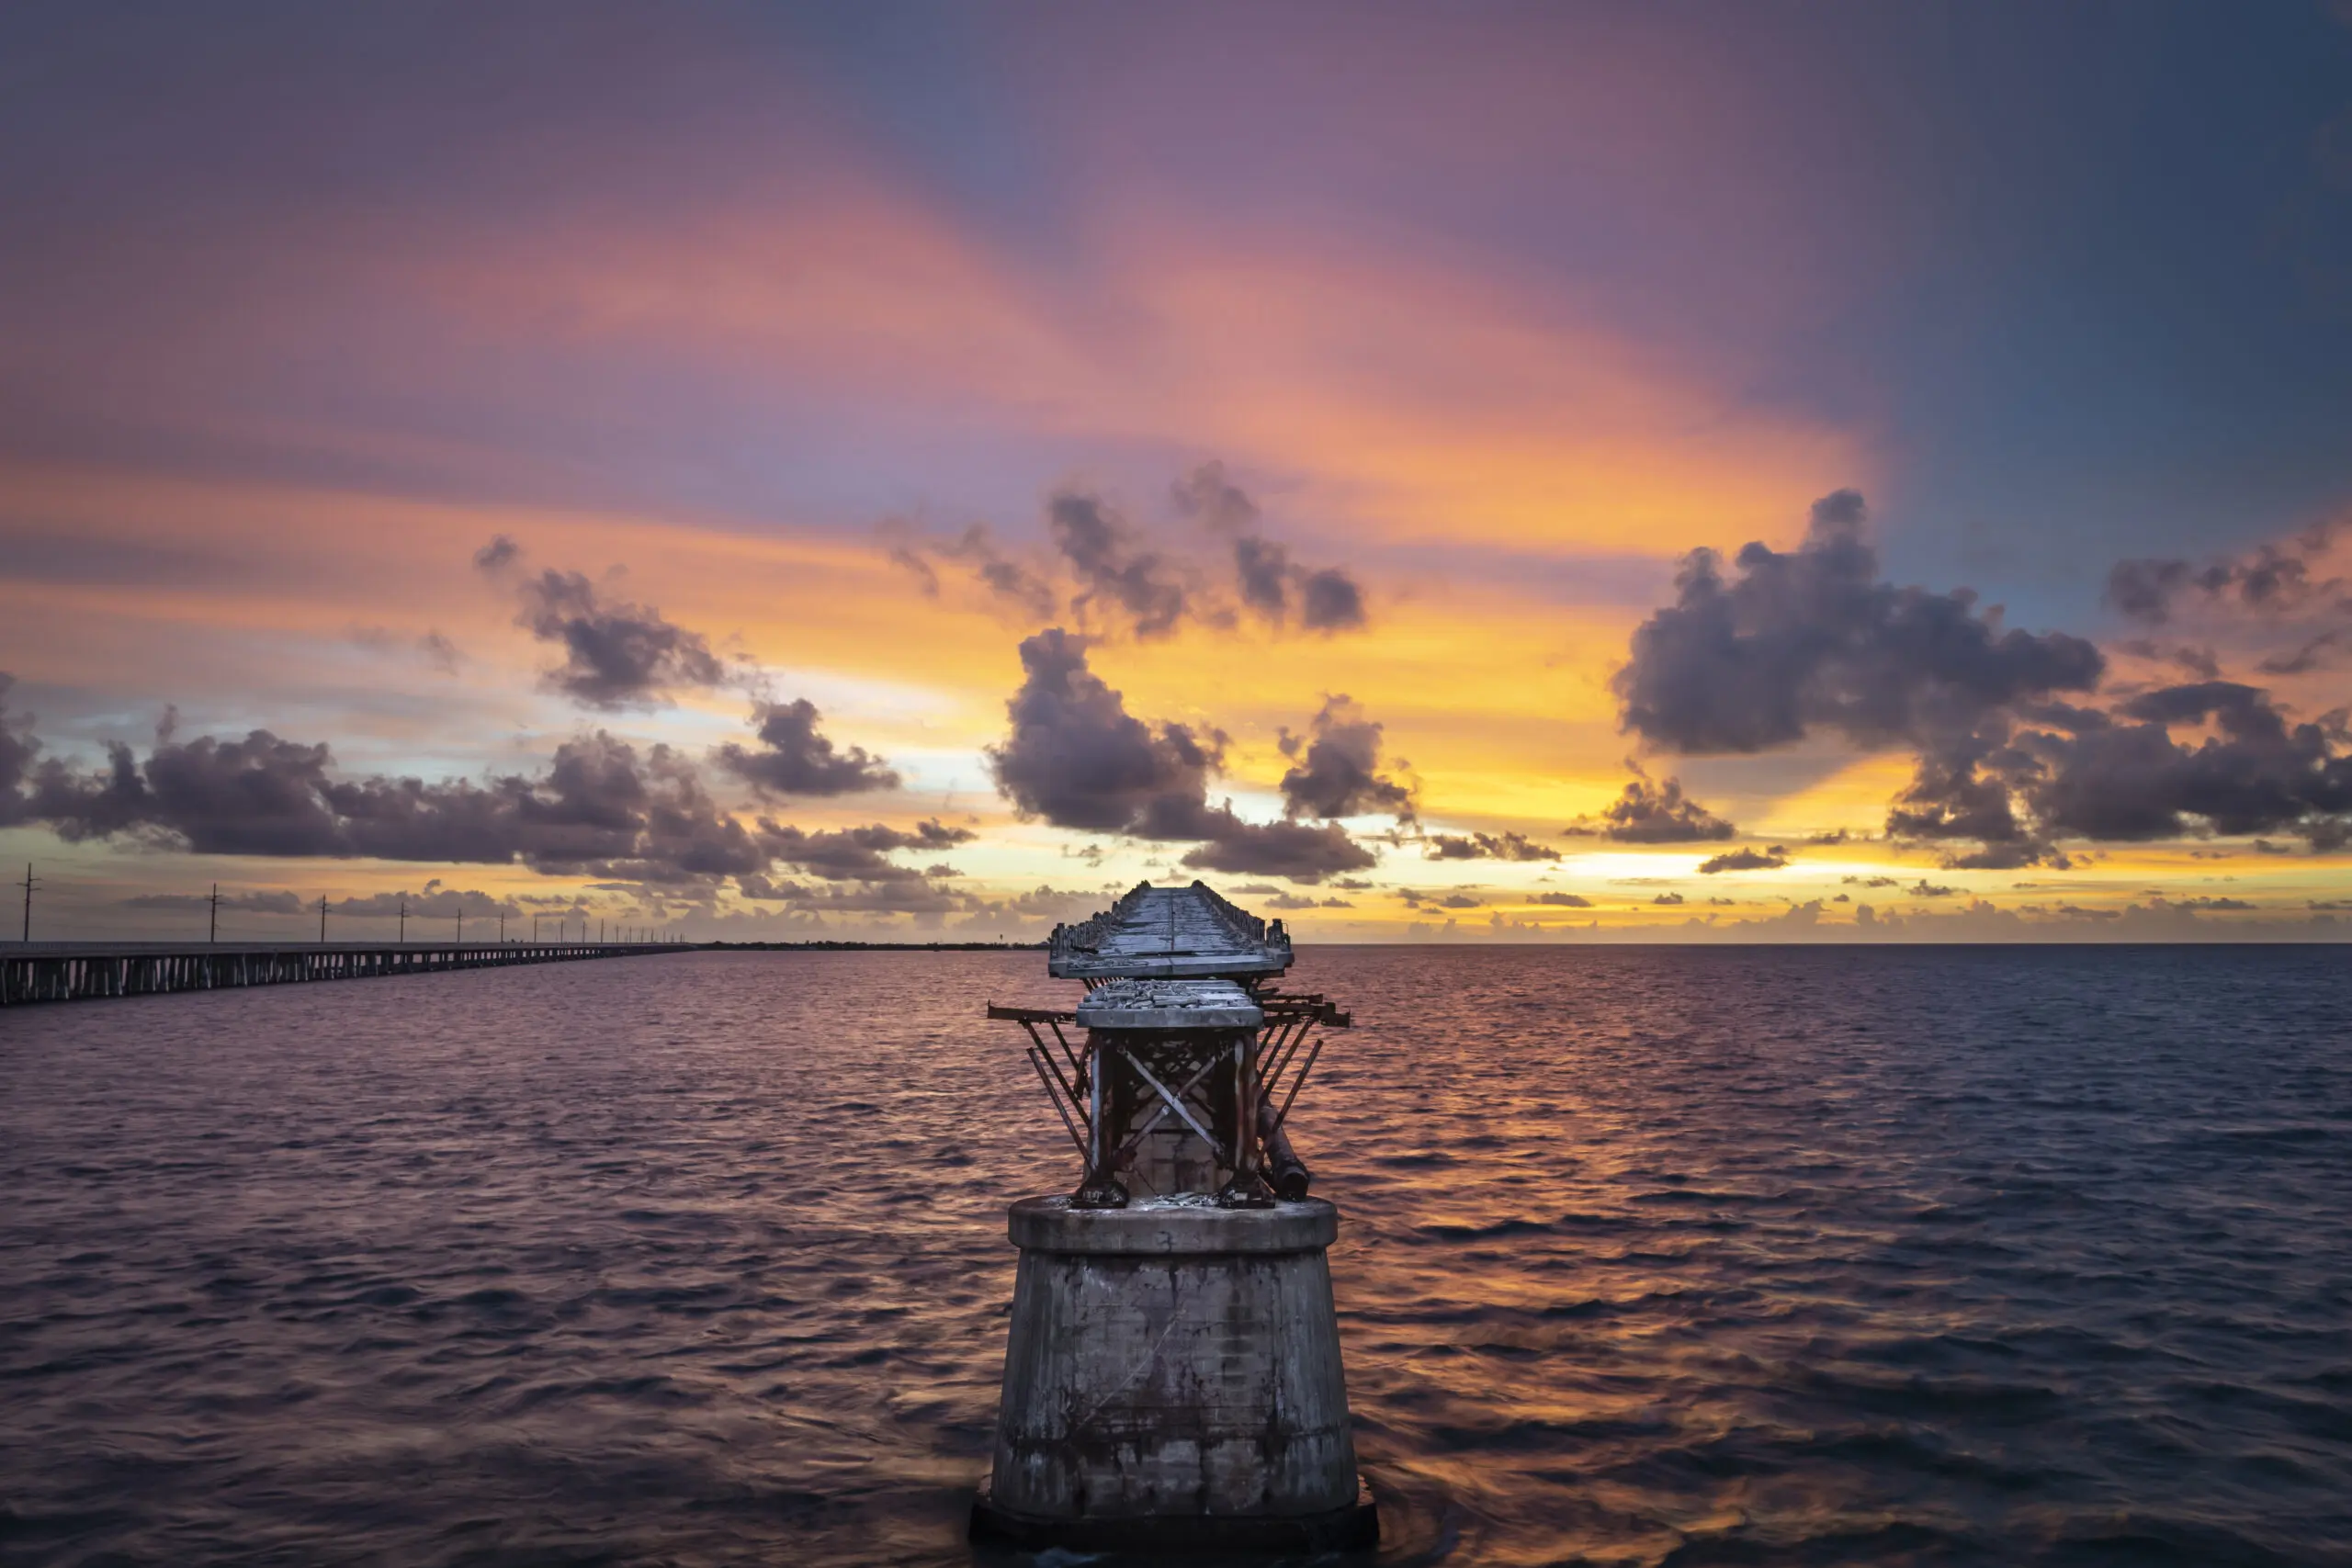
point(1075, 756)
point(2015, 754)
point(602, 809)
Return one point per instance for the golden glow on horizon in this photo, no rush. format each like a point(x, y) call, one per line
point(1390, 407)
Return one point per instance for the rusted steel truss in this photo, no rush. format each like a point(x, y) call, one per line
point(1240, 1118)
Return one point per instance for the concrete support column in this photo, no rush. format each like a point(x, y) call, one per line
point(1172, 1379)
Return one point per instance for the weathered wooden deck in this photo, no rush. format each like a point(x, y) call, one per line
point(67, 972)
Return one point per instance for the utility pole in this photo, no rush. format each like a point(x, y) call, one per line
point(214, 933)
point(29, 883)
point(323, 919)
point(403, 920)
point(502, 928)
point(461, 923)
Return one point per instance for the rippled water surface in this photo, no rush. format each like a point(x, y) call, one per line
point(1648, 1255)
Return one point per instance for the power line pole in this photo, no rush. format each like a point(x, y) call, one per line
point(403, 920)
point(29, 883)
point(461, 923)
point(323, 919)
point(213, 933)
point(502, 928)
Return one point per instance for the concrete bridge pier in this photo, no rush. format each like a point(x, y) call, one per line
point(1172, 1377)
point(1173, 1381)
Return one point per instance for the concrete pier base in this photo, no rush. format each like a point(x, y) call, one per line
point(1172, 1381)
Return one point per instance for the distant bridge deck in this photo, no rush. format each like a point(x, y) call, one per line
point(70, 972)
point(1168, 933)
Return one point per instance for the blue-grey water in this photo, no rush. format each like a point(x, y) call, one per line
point(1664, 1255)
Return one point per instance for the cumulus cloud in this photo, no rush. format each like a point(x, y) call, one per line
point(2272, 578)
point(1323, 598)
point(1262, 568)
point(1650, 813)
point(1486, 846)
point(1118, 579)
point(1208, 496)
point(1563, 900)
point(1076, 758)
point(857, 855)
point(1007, 579)
point(792, 758)
point(2122, 777)
point(1100, 567)
point(1338, 767)
point(1018, 588)
point(1812, 638)
point(1301, 852)
point(616, 654)
point(1326, 599)
point(1772, 859)
point(1329, 601)
point(2005, 766)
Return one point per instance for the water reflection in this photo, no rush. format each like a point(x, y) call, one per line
point(1688, 1257)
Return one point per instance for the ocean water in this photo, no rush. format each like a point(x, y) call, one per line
point(1664, 1255)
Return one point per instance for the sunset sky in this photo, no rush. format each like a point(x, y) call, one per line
point(901, 470)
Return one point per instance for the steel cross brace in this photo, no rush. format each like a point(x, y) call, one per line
point(1160, 1113)
point(1177, 1105)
